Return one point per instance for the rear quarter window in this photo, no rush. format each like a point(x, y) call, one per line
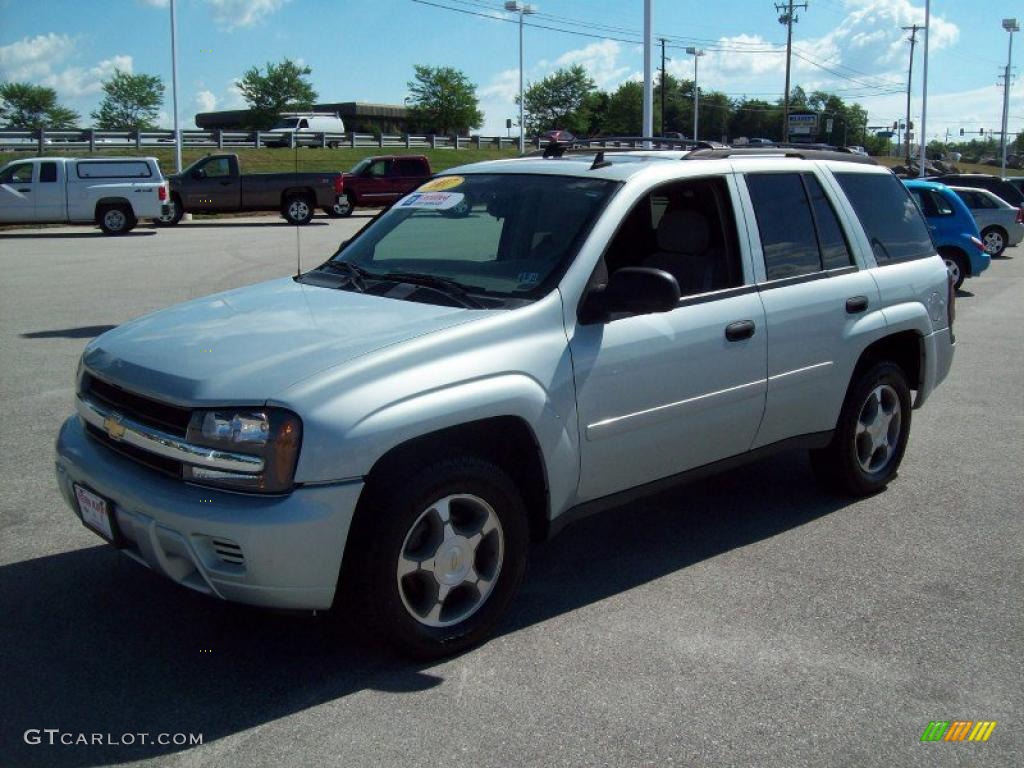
point(893, 223)
point(113, 169)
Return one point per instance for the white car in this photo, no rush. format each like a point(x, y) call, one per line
point(1001, 224)
point(113, 192)
point(305, 128)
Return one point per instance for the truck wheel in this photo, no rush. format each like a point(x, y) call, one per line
point(298, 210)
point(434, 560)
point(994, 239)
point(342, 207)
point(116, 219)
point(871, 435)
point(174, 213)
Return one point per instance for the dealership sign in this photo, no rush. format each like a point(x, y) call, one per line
point(803, 125)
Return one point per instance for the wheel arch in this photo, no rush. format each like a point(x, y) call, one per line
point(293, 192)
point(905, 348)
point(517, 451)
point(106, 202)
point(956, 250)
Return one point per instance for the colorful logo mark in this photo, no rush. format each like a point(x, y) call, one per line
point(958, 730)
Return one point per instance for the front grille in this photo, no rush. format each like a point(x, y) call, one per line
point(153, 413)
point(151, 460)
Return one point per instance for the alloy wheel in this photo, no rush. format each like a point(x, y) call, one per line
point(878, 429)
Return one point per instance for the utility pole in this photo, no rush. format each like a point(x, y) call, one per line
point(910, 77)
point(788, 18)
point(923, 141)
point(662, 132)
point(648, 107)
point(1011, 26)
point(174, 88)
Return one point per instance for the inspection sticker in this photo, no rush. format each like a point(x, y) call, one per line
point(441, 183)
point(431, 201)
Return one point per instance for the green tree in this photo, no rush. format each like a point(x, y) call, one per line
point(443, 101)
point(755, 119)
point(283, 86)
point(23, 105)
point(559, 101)
point(624, 116)
point(131, 102)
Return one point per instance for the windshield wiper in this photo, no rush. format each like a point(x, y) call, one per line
point(356, 274)
point(445, 285)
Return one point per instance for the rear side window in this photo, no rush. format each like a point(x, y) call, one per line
point(799, 231)
point(113, 169)
point(47, 172)
point(932, 203)
point(412, 166)
point(893, 223)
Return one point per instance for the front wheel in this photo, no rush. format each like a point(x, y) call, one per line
point(994, 239)
point(117, 220)
point(298, 211)
point(173, 215)
point(434, 561)
point(342, 207)
point(871, 435)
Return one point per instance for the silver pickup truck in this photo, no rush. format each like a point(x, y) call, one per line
point(384, 434)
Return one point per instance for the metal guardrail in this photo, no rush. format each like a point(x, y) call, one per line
point(93, 140)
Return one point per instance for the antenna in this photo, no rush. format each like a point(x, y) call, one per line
point(298, 241)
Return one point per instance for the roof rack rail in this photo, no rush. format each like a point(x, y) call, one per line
point(581, 145)
point(779, 150)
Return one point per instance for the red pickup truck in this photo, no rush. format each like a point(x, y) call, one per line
point(379, 181)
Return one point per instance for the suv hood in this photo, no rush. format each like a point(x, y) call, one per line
point(248, 345)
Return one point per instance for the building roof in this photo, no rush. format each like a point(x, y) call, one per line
point(231, 118)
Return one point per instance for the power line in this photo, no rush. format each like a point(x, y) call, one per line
point(788, 18)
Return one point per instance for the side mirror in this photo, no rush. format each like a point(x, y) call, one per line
point(631, 291)
point(199, 173)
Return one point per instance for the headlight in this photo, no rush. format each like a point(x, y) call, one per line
point(270, 433)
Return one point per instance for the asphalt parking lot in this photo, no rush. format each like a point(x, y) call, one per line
point(749, 619)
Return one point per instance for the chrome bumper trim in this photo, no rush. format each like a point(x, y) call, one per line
point(146, 438)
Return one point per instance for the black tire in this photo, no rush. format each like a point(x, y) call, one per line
point(340, 210)
point(841, 464)
point(388, 515)
point(957, 265)
point(994, 238)
point(332, 145)
point(175, 216)
point(116, 219)
point(298, 210)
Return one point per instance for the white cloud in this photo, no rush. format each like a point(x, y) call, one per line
point(242, 13)
point(75, 82)
point(504, 86)
point(206, 101)
point(32, 58)
point(600, 59)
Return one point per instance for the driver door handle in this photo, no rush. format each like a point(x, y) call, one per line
point(25, 189)
point(741, 329)
point(856, 304)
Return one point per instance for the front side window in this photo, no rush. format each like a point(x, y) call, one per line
point(218, 168)
point(893, 223)
point(20, 173)
point(499, 237)
point(378, 168)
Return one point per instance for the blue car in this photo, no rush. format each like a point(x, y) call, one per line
point(953, 228)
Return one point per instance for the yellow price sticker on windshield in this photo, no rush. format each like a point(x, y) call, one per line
point(441, 183)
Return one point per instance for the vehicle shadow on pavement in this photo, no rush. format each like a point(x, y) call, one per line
point(92, 643)
point(81, 332)
point(282, 223)
point(70, 235)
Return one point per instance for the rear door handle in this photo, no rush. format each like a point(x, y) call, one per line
point(856, 304)
point(741, 329)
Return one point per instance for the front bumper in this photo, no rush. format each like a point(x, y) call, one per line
point(274, 551)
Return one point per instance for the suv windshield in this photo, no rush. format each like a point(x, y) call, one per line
point(500, 236)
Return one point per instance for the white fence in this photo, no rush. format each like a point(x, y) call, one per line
point(92, 140)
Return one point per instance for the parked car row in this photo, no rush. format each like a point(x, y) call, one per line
point(116, 193)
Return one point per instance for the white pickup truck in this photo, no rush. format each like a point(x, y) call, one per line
point(113, 192)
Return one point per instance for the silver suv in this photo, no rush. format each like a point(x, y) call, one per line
point(514, 345)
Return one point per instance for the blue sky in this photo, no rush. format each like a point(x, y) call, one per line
point(364, 50)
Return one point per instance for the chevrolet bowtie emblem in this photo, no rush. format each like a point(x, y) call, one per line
point(114, 427)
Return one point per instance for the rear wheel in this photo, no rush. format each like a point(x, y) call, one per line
point(994, 239)
point(116, 219)
point(956, 263)
point(871, 435)
point(298, 210)
point(342, 207)
point(434, 560)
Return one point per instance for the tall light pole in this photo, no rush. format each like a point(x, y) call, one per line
point(648, 127)
point(1011, 26)
point(523, 10)
point(924, 93)
point(174, 88)
point(696, 53)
